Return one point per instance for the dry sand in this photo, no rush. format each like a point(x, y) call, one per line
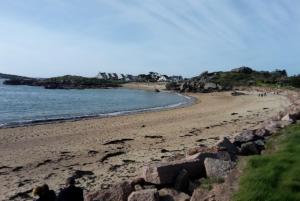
point(49, 153)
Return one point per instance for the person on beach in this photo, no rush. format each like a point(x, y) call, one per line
point(71, 192)
point(44, 193)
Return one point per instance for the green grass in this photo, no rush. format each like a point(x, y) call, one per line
point(274, 176)
point(207, 183)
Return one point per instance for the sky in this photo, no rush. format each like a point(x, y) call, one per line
point(44, 38)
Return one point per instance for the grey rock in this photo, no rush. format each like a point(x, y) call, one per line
point(217, 168)
point(245, 136)
point(210, 85)
point(168, 194)
point(225, 144)
point(144, 195)
point(249, 148)
point(262, 132)
point(166, 173)
point(288, 118)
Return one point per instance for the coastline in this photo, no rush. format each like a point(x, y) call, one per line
point(58, 150)
point(190, 100)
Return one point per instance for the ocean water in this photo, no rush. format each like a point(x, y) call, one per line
point(25, 104)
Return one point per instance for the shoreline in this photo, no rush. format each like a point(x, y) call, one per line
point(190, 100)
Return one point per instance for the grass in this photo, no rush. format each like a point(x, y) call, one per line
point(207, 183)
point(274, 176)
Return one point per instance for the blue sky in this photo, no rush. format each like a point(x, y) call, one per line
point(54, 37)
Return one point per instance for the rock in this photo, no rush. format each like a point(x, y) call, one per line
point(199, 195)
point(149, 186)
point(210, 86)
point(166, 173)
point(138, 180)
point(193, 185)
point(138, 187)
point(288, 118)
point(245, 136)
point(226, 145)
point(144, 195)
point(182, 181)
point(262, 132)
point(242, 69)
point(217, 168)
point(118, 192)
point(168, 194)
point(218, 155)
point(260, 144)
point(272, 126)
point(249, 148)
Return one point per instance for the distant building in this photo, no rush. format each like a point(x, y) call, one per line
point(176, 78)
point(163, 78)
point(115, 76)
point(110, 76)
point(102, 76)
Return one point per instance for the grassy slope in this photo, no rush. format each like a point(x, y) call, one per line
point(274, 176)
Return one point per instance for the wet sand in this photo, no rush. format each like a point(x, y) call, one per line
point(104, 151)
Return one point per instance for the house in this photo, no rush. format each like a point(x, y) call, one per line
point(102, 76)
point(110, 76)
point(163, 78)
point(175, 78)
point(115, 76)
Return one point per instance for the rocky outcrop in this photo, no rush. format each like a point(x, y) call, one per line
point(203, 83)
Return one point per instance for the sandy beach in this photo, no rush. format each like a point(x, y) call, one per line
point(103, 151)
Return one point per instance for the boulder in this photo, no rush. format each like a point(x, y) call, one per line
point(226, 145)
point(272, 126)
point(217, 168)
point(166, 173)
point(245, 136)
point(168, 194)
point(249, 148)
point(262, 132)
point(118, 192)
point(288, 118)
point(144, 195)
point(182, 181)
point(210, 86)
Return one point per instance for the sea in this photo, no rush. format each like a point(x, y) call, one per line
point(23, 105)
